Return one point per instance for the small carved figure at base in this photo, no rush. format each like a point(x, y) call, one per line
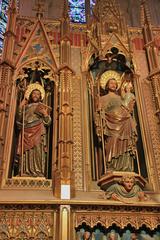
point(126, 191)
point(113, 235)
point(134, 236)
point(87, 235)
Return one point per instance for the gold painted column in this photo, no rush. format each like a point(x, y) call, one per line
point(151, 52)
point(64, 174)
point(87, 131)
point(154, 108)
point(64, 230)
point(64, 177)
point(7, 92)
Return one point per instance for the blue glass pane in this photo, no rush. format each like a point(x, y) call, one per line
point(77, 11)
point(92, 2)
point(77, 15)
point(3, 20)
point(77, 3)
point(1, 44)
point(0, 5)
point(2, 26)
point(4, 8)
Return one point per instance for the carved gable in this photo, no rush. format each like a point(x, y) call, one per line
point(37, 46)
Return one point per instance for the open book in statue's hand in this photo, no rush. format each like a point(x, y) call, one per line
point(43, 109)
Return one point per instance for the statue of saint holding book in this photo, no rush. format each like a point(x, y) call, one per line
point(33, 118)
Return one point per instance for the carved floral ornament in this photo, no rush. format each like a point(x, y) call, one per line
point(121, 219)
point(26, 225)
point(24, 70)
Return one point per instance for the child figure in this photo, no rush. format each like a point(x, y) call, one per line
point(128, 98)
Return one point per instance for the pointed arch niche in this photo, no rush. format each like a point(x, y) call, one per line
point(35, 71)
point(35, 62)
point(117, 60)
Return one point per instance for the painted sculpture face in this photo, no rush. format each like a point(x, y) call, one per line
point(128, 184)
point(128, 88)
point(112, 236)
point(133, 236)
point(35, 96)
point(87, 235)
point(112, 85)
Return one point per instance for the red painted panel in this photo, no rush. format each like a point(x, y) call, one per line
point(139, 43)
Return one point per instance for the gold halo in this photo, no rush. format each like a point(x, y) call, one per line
point(109, 75)
point(34, 86)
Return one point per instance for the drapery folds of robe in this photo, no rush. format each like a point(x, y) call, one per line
point(32, 141)
point(119, 131)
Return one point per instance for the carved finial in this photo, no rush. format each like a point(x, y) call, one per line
point(145, 14)
point(66, 9)
point(39, 8)
point(65, 27)
point(13, 4)
point(12, 12)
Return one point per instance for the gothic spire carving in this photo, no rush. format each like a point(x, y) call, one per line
point(13, 4)
point(145, 14)
point(40, 8)
point(6, 83)
point(65, 9)
point(151, 52)
point(65, 36)
point(9, 39)
point(148, 37)
point(12, 12)
point(108, 14)
point(65, 26)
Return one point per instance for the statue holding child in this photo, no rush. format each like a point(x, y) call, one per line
point(118, 129)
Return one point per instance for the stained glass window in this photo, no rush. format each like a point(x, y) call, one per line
point(92, 3)
point(77, 11)
point(3, 20)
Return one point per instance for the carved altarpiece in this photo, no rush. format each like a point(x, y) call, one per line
point(37, 208)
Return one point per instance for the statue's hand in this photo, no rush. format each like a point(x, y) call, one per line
point(43, 111)
point(115, 197)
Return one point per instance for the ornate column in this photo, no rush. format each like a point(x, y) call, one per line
point(64, 230)
point(64, 175)
point(150, 47)
point(7, 92)
point(154, 78)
